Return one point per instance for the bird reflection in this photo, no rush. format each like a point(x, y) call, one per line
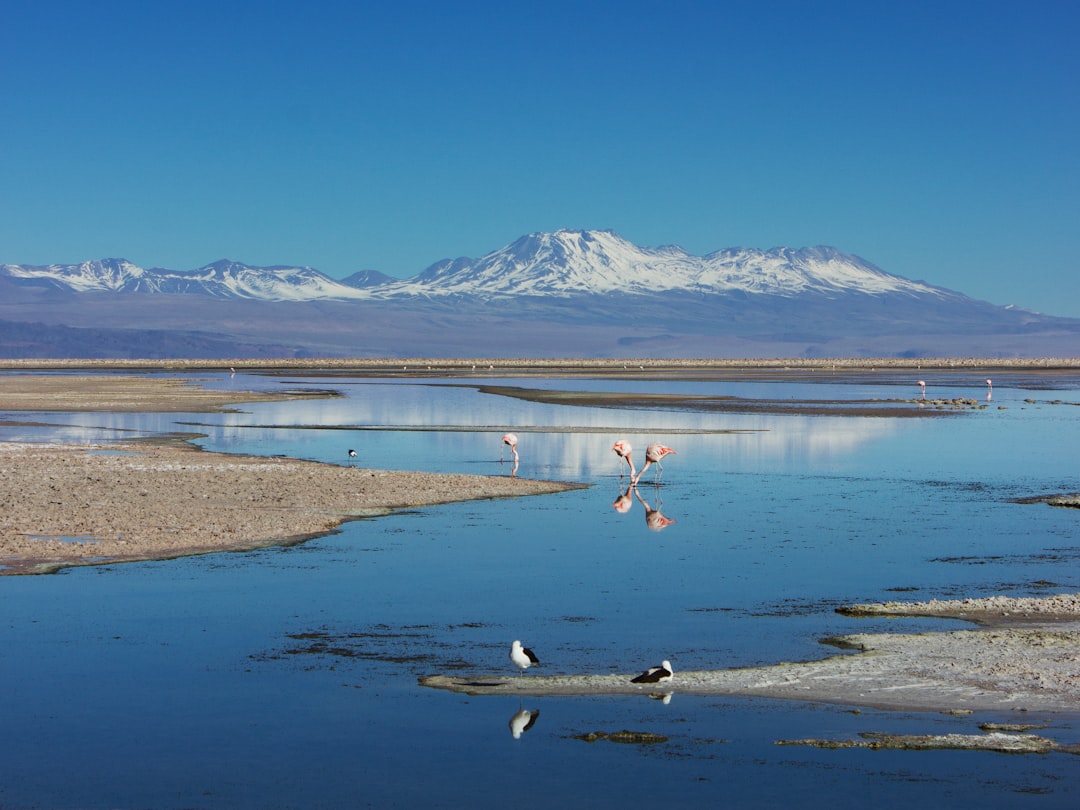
point(522, 721)
point(654, 519)
point(663, 697)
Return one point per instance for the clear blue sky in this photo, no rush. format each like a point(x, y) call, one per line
point(935, 138)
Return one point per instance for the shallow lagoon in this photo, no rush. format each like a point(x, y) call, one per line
point(287, 677)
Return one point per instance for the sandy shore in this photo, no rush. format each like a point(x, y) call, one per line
point(64, 505)
point(125, 393)
point(1027, 658)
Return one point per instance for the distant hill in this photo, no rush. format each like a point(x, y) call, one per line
point(567, 293)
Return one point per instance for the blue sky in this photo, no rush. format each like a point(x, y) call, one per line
point(937, 139)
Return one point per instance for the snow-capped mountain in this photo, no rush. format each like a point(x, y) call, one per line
point(597, 262)
point(560, 264)
point(561, 294)
point(222, 279)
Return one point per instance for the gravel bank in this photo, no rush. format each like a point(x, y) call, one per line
point(62, 505)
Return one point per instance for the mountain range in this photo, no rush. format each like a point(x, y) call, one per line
point(570, 293)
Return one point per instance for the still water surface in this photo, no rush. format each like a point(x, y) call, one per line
point(287, 677)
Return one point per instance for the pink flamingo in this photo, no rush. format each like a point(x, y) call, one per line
point(989, 390)
point(623, 449)
point(922, 385)
point(510, 439)
point(653, 454)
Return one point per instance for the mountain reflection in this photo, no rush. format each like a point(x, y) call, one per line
point(563, 441)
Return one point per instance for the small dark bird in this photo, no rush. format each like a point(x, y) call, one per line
point(352, 453)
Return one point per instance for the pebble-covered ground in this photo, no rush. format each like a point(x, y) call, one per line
point(65, 505)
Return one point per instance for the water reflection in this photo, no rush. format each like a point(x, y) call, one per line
point(563, 441)
point(654, 519)
point(522, 721)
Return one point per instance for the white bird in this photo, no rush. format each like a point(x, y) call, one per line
point(655, 674)
point(653, 454)
point(522, 721)
point(922, 385)
point(352, 453)
point(522, 657)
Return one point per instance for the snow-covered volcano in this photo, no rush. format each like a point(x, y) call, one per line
point(567, 293)
point(569, 262)
point(561, 264)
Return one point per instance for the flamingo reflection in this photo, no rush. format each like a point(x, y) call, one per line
point(654, 519)
point(623, 503)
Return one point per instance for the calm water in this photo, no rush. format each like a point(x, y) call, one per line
point(287, 677)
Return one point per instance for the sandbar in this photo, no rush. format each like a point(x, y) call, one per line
point(63, 505)
point(1025, 657)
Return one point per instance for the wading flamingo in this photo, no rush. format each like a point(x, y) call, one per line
point(922, 385)
point(510, 439)
point(653, 454)
point(623, 449)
